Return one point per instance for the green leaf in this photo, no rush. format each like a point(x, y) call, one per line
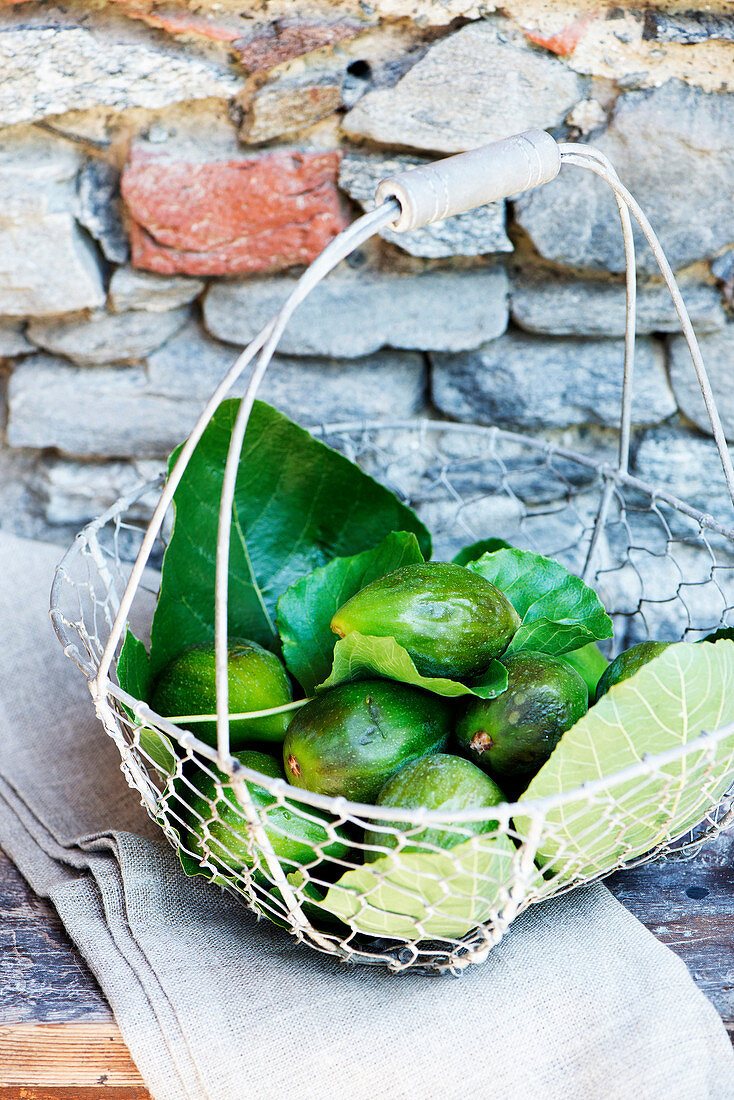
point(133, 669)
point(683, 692)
point(590, 663)
point(360, 657)
point(477, 549)
point(297, 505)
point(134, 677)
point(421, 895)
point(559, 612)
point(306, 609)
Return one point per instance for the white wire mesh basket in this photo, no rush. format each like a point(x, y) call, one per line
point(348, 878)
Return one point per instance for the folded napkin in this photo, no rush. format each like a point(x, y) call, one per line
point(577, 1001)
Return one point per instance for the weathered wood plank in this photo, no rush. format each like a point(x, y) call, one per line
point(42, 976)
point(51, 1092)
point(90, 1056)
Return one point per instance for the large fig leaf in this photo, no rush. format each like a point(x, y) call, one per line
point(361, 656)
point(134, 676)
point(306, 609)
point(559, 612)
point(133, 668)
point(683, 692)
point(297, 505)
point(421, 895)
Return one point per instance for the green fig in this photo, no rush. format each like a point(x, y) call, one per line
point(451, 621)
point(257, 681)
point(626, 664)
point(436, 782)
point(215, 826)
point(512, 736)
point(350, 739)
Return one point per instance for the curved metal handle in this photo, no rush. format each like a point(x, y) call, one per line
point(436, 191)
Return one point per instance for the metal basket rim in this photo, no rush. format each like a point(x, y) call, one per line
point(339, 804)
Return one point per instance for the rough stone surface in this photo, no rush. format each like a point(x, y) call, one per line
point(578, 307)
point(520, 381)
point(291, 103)
point(18, 507)
point(259, 213)
point(470, 88)
point(353, 313)
point(471, 234)
point(76, 492)
point(99, 208)
point(91, 65)
point(317, 391)
point(46, 265)
point(13, 340)
point(284, 39)
point(718, 356)
point(674, 150)
point(687, 465)
point(107, 337)
point(121, 412)
point(131, 289)
point(687, 27)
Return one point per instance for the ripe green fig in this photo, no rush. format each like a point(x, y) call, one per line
point(626, 664)
point(216, 828)
point(512, 736)
point(452, 621)
point(436, 782)
point(257, 681)
point(350, 739)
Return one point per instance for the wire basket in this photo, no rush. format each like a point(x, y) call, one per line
point(357, 881)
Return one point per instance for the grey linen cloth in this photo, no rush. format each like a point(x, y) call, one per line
point(577, 1002)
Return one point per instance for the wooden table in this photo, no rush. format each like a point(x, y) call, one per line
point(58, 1038)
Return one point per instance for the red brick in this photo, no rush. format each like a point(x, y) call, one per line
point(567, 39)
point(177, 20)
point(231, 217)
point(287, 38)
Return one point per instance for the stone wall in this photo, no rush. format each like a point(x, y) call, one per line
point(167, 169)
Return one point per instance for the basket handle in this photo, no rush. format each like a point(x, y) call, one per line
point(436, 191)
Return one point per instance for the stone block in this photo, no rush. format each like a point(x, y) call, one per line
point(107, 337)
point(472, 87)
point(353, 313)
point(99, 208)
point(77, 492)
point(385, 385)
point(471, 234)
point(284, 39)
point(674, 150)
point(145, 411)
point(520, 381)
point(686, 465)
point(579, 307)
point(46, 264)
point(13, 340)
point(131, 289)
point(291, 103)
point(105, 62)
point(717, 350)
point(256, 213)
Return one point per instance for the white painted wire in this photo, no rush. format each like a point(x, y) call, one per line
point(622, 193)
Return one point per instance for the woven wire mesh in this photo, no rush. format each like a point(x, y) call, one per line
point(662, 570)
